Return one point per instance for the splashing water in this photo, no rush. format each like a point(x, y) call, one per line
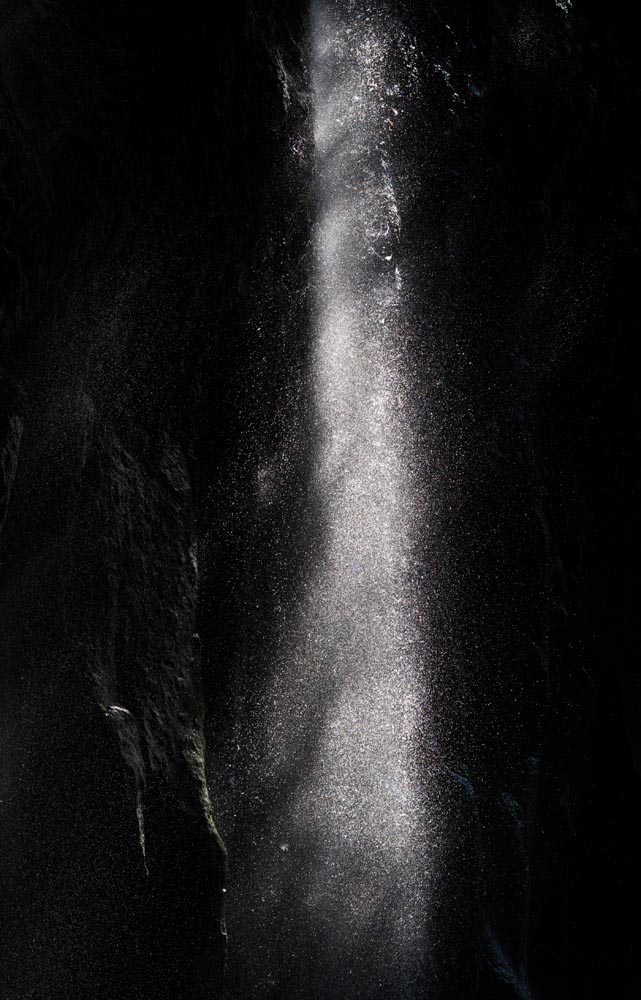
point(337, 902)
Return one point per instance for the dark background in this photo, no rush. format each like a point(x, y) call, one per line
point(151, 211)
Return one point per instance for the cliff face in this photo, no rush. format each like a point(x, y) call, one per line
point(112, 868)
point(158, 520)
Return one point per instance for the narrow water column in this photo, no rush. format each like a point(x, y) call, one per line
point(328, 893)
point(359, 813)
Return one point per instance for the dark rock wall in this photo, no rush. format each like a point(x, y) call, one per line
point(155, 205)
point(129, 141)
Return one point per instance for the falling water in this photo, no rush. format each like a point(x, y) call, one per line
point(336, 903)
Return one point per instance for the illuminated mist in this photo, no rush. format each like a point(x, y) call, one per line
point(332, 894)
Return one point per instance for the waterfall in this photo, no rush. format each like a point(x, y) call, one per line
point(362, 789)
point(332, 899)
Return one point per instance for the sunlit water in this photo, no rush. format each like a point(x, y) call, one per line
point(331, 899)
